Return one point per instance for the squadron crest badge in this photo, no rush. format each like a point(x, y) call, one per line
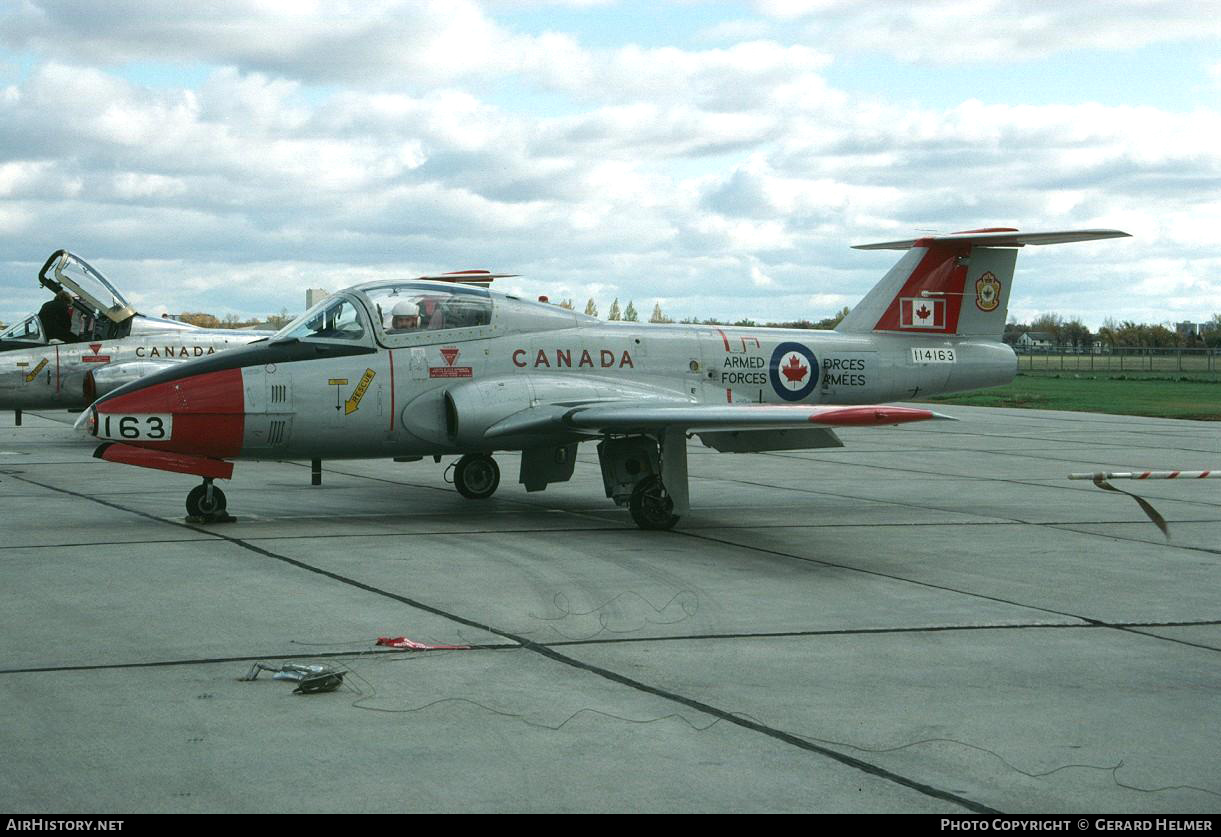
point(987, 292)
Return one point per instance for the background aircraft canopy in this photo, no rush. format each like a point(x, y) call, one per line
point(74, 274)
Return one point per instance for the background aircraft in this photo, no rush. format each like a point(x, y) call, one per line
point(112, 344)
point(412, 368)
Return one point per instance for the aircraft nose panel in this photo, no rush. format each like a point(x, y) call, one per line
point(200, 414)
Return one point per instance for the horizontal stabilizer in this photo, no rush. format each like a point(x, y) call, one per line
point(997, 238)
point(468, 277)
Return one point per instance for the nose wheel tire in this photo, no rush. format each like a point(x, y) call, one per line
point(198, 504)
point(651, 505)
point(476, 476)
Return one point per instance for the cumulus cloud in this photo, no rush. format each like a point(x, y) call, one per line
point(953, 32)
point(330, 144)
point(427, 41)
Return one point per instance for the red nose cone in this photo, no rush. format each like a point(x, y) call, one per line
point(206, 415)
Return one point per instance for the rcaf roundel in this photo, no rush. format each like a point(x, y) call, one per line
point(793, 371)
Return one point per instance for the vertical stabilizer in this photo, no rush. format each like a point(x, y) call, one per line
point(956, 284)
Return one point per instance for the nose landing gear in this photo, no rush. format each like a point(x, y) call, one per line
point(476, 476)
point(206, 504)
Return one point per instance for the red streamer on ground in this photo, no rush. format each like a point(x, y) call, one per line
point(405, 644)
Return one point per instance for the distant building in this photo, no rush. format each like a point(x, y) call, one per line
point(1035, 340)
point(1186, 329)
point(315, 295)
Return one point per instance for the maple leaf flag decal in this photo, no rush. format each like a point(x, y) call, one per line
point(794, 371)
point(917, 312)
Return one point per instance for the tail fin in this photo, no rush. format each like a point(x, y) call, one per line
point(955, 284)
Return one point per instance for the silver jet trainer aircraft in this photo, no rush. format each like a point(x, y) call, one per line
point(106, 345)
point(408, 368)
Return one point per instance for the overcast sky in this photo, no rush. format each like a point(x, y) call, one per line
point(718, 157)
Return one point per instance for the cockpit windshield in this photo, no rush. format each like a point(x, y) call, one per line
point(336, 318)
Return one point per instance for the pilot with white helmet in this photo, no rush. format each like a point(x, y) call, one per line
point(405, 316)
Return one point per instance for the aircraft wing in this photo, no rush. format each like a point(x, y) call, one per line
point(621, 418)
point(710, 419)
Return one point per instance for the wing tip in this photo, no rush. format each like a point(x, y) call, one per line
point(875, 414)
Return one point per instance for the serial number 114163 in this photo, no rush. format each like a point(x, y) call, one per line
point(922, 354)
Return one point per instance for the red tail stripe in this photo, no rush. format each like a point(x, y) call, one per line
point(938, 272)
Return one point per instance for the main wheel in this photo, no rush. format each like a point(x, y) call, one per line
point(476, 476)
point(651, 505)
point(198, 505)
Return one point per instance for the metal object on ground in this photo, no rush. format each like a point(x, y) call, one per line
point(310, 679)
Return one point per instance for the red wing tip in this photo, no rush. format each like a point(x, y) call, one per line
point(875, 415)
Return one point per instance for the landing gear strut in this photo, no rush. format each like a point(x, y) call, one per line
point(207, 502)
point(476, 476)
point(651, 505)
point(648, 474)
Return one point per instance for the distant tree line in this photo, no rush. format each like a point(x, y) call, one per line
point(1113, 334)
point(659, 316)
point(204, 320)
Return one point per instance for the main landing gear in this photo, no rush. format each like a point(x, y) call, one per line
point(651, 505)
point(206, 503)
point(633, 468)
point(476, 476)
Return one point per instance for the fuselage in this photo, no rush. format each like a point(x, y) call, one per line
point(327, 393)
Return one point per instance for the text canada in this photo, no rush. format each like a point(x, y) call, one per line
point(569, 359)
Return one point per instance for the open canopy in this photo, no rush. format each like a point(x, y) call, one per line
point(63, 270)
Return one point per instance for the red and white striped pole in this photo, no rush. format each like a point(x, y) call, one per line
point(1099, 478)
point(1148, 475)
